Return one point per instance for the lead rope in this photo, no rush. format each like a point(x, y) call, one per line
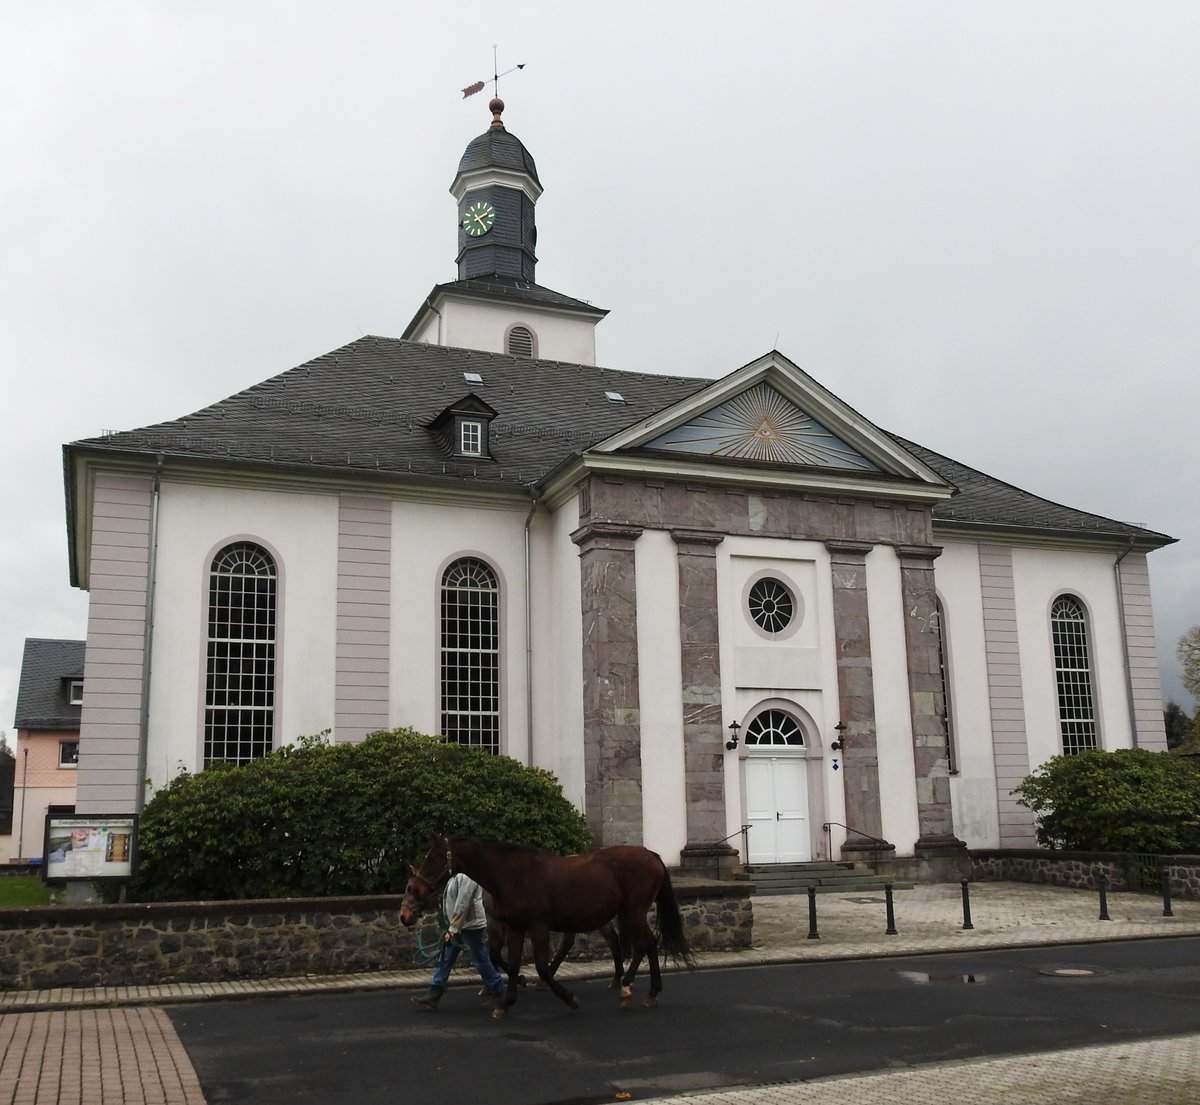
point(425, 953)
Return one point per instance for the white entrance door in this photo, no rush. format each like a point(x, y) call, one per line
point(777, 809)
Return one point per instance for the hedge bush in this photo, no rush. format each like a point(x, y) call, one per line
point(1129, 800)
point(316, 819)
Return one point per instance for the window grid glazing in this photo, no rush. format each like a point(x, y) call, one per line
point(470, 659)
point(944, 673)
point(771, 605)
point(1072, 668)
point(774, 727)
point(471, 438)
point(239, 714)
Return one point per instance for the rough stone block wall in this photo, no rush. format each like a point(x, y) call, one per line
point(131, 945)
point(1082, 870)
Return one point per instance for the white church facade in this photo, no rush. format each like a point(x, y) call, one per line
point(729, 615)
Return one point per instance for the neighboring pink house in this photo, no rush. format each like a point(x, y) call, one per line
point(49, 704)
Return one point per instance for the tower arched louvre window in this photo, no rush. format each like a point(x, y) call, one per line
point(1073, 675)
point(774, 727)
point(471, 654)
point(239, 707)
point(520, 342)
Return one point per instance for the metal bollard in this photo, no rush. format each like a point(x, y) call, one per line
point(891, 913)
point(1164, 881)
point(966, 906)
point(1103, 882)
point(812, 914)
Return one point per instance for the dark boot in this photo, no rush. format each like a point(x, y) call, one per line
point(428, 1000)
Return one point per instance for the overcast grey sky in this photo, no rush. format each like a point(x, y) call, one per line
point(976, 222)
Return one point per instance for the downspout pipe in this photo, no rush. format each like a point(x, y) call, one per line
point(1133, 731)
point(429, 304)
point(148, 640)
point(535, 493)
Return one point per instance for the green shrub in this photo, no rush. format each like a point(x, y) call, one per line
point(1130, 800)
point(315, 819)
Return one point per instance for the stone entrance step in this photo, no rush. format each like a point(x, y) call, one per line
point(796, 878)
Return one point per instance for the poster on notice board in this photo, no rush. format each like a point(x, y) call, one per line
point(89, 846)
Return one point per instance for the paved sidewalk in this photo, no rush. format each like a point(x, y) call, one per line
point(76, 1047)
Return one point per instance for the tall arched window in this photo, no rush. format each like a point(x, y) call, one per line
point(1073, 674)
point(239, 708)
point(944, 673)
point(471, 654)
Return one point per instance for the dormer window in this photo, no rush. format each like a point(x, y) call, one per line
point(470, 437)
point(463, 427)
point(75, 692)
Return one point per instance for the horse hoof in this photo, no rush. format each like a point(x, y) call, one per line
point(651, 1002)
point(499, 1014)
point(574, 1002)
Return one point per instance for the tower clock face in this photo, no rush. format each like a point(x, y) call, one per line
point(478, 219)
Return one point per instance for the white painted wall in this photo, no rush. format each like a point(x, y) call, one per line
point(426, 537)
point(472, 324)
point(893, 710)
point(664, 797)
point(194, 523)
point(798, 670)
point(558, 648)
point(973, 788)
point(1039, 576)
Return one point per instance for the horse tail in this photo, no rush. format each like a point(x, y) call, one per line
point(670, 925)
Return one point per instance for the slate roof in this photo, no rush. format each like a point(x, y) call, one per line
point(43, 695)
point(982, 501)
point(495, 147)
point(367, 408)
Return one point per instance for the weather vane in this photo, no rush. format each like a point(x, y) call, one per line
point(479, 86)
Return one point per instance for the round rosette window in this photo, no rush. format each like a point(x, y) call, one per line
point(773, 605)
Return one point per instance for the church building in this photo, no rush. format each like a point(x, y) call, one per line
point(733, 616)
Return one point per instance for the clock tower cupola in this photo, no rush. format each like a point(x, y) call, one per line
point(496, 187)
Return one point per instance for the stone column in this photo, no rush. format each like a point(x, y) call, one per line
point(856, 692)
point(935, 814)
point(611, 716)
point(703, 723)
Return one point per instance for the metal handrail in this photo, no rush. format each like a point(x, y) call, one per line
point(878, 844)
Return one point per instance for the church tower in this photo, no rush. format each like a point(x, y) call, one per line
point(496, 304)
point(496, 187)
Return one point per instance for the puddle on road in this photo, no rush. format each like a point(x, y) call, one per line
point(925, 978)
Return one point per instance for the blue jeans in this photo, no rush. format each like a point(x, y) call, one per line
point(476, 942)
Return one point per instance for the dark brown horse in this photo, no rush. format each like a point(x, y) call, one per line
point(496, 935)
point(536, 892)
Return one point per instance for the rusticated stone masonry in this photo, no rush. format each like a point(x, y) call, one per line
point(151, 944)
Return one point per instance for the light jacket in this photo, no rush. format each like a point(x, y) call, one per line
point(463, 902)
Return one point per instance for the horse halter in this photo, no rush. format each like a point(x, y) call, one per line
point(438, 883)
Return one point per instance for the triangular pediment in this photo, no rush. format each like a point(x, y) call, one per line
point(770, 414)
point(762, 424)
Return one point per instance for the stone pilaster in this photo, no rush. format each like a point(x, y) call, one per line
point(703, 723)
point(611, 705)
point(935, 813)
point(856, 692)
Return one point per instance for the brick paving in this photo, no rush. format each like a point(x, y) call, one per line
point(110, 1045)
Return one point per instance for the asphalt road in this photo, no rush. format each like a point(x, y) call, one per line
point(712, 1029)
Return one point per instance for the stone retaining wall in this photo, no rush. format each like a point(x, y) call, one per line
point(150, 944)
point(1082, 870)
